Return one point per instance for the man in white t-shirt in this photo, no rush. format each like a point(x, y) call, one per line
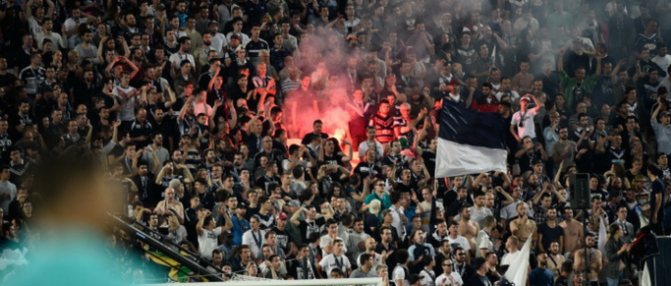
point(513, 251)
point(449, 277)
point(663, 60)
point(208, 232)
point(457, 240)
point(522, 123)
point(337, 259)
point(255, 237)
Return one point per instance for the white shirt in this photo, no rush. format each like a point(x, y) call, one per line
point(663, 62)
point(326, 241)
point(426, 277)
point(509, 258)
point(527, 126)
point(399, 274)
point(10, 188)
point(365, 145)
point(478, 216)
point(510, 211)
point(482, 241)
point(207, 242)
point(256, 248)
point(177, 58)
point(219, 41)
point(460, 241)
point(56, 40)
point(514, 96)
point(443, 280)
point(70, 24)
point(330, 262)
point(397, 222)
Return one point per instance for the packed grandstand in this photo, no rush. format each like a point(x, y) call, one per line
point(297, 139)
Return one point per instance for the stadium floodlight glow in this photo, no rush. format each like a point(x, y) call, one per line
point(313, 282)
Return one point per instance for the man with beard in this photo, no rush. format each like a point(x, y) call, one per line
point(541, 276)
point(448, 277)
point(594, 262)
point(166, 130)
point(467, 228)
point(356, 240)
point(461, 201)
point(556, 260)
point(235, 168)
point(550, 231)
point(384, 123)
point(522, 227)
point(386, 248)
point(573, 233)
point(563, 151)
point(479, 211)
point(530, 154)
point(370, 250)
point(201, 54)
point(157, 148)
point(487, 102)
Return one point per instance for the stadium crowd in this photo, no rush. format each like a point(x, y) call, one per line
point(215, 117)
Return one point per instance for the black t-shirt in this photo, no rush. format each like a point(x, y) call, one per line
point(657, 188)
point(308, 228)
point(561, 281)
point(550, 234)
point(478, 280)
point(308, 137)
point(364, 169)
point(429, 161)
point(282, 238)
point(7, 80)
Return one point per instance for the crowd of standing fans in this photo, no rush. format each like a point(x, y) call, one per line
point(214, 115)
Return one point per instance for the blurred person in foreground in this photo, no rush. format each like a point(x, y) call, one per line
point(73, 220)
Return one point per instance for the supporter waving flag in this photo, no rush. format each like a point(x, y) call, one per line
point(469, 142)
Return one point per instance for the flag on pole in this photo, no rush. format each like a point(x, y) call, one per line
point(518, 272)
point(470, 142)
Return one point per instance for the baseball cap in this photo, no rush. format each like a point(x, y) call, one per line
point(282, 216)
point(213, 22)
point(524, 98)
point(235, 37)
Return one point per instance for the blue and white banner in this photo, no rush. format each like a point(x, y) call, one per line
point(470, 142)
